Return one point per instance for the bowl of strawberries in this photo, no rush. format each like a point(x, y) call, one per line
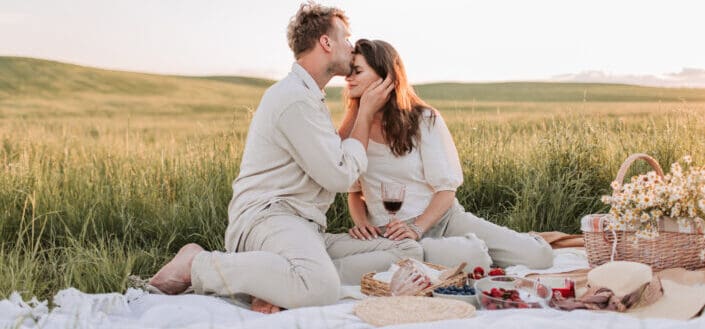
point(505, 292)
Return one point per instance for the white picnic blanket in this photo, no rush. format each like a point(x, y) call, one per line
point(138, 309)
point(564, 260)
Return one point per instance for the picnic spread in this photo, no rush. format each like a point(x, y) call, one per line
point(140, 309)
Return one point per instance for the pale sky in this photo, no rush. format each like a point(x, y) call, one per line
point(439, 40)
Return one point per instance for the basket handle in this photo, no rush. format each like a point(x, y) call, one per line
point(628, 163)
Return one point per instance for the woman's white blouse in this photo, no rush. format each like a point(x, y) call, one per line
point(431, 167)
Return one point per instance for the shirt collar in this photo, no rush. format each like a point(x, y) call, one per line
point(308, 81)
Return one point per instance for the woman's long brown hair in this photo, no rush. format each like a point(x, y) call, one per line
point(401, 115)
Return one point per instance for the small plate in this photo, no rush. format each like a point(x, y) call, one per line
point(533, 294)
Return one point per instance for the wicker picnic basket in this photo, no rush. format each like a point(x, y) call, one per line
point(676, 246)
point(371, 287)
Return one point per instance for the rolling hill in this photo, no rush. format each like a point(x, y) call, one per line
point(39, 86)
point(29, 76)
point(25, 81)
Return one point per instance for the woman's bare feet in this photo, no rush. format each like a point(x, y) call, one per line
point(175, 276)
point(262, 306)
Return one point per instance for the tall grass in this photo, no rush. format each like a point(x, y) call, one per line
point(86, 202)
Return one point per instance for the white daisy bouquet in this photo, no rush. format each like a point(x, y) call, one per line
point(638, 204)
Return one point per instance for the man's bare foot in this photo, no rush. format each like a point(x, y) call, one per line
point(175, 276)
point(262, 306)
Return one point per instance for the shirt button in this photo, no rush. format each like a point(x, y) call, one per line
point(340, 164)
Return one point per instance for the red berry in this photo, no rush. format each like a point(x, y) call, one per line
point(479, 270)
point(496, 271)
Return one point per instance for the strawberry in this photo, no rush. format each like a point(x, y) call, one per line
point(496, 271)
point(479, 270)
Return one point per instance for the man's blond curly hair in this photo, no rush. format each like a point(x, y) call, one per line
point(309, 24)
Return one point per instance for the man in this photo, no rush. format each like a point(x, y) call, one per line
point(293, 164)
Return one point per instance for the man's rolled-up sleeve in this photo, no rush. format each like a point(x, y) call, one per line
point(314, 144)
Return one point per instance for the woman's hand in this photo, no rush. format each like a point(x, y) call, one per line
point(398, 230)
point(365, 231)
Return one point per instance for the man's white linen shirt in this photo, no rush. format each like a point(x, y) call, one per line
point(293, 154)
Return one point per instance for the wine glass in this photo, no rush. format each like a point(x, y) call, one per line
point(392, 197)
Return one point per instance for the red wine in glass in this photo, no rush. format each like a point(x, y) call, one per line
point(392, 206)
point(392, 197)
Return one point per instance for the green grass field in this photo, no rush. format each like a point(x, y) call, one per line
point(107, 173)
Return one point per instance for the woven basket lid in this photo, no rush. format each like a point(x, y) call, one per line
point(385, 311)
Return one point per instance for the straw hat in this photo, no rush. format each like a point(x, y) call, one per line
point(385, 311)
point(678, 301)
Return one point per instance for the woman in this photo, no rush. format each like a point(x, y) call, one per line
point(411, 144)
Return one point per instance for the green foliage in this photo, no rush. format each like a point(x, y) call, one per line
point(547, 92)
point(556, 92)
point(106, 174)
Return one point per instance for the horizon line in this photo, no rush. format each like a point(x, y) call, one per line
point(613, 80)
